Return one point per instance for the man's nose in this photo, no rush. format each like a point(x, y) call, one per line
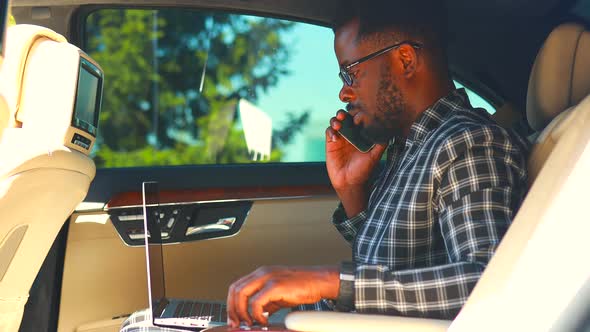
point(346, 94)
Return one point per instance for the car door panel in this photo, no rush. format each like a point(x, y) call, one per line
point(287, 225)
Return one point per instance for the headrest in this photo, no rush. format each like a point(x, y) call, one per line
point(20, 40)
point(52, 88)
point(560, 77)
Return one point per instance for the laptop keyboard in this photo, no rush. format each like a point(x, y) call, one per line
point(199, 309)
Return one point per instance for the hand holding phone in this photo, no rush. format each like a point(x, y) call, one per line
point(352, 133)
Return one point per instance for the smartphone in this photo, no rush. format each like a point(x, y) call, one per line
point(352, 133)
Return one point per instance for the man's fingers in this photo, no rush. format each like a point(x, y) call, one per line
point(232, 318)
point(238, 295)
point(232, 295)
point(341, 115)
point(271, 308)
point(251, 284)
point(265, 298)
point(335, 124)
point(241, 305)
point(331, 135)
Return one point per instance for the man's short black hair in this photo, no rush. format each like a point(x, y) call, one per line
point(390, 21)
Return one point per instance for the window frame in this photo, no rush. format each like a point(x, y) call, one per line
point(477, 86)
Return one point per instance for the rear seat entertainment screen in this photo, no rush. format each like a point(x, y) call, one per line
point(88, 98)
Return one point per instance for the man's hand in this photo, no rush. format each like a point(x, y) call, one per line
point(348, 168)
point(269, 289)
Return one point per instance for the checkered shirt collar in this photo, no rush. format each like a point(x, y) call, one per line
point(434, 116)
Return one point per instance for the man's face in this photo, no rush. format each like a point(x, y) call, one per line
point(374, 99)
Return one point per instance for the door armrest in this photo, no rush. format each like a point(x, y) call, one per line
point(349, 322)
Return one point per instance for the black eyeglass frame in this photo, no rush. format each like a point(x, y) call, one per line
point(344, 73)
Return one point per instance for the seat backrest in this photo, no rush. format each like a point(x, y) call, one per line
point(540, 264)
point(559, 80)
point(53, 93)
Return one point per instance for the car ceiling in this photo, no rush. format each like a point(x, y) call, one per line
point(492, 44)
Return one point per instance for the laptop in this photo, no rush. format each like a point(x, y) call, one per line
point(172, 313)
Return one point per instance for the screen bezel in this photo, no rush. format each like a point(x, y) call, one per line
point(92, 69)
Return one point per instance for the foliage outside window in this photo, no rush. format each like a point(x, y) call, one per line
point(186, 87)
point(174, 80)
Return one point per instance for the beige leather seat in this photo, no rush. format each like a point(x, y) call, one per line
point(43, 175)
point(559, 80)
point(4, 113)
point(541, 264)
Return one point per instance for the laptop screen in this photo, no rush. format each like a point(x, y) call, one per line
point(153, 244)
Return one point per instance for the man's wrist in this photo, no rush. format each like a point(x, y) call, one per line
point(353, 201)
point(351, 191)
point(329, 276)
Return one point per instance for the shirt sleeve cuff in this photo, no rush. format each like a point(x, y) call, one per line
point(348, 227)
point(369, 286)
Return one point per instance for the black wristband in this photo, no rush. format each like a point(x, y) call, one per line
point(345, 300)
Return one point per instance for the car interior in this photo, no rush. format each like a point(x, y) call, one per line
point(72, 255)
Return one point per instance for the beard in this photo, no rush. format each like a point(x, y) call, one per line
point(390, 107)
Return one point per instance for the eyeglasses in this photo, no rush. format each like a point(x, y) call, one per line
point(345, 75)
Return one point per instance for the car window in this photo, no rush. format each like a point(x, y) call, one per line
point(476, 100)
point(188, 87)
point(193, 87)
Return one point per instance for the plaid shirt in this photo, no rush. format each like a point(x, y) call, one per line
point(435, 216)
point(437, 212)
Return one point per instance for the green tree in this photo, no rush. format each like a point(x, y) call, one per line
point(173, 78)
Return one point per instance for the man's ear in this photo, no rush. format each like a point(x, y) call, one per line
point(409, 60)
